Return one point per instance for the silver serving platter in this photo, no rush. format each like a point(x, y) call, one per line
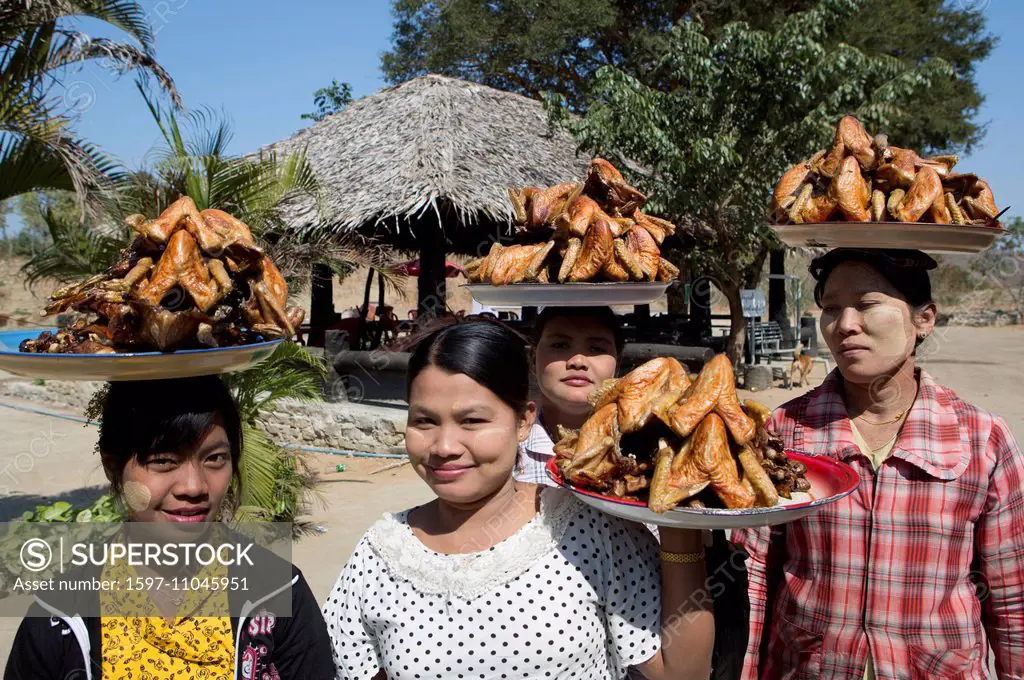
point(931, 238)
point(127, 366)
point(567, 294)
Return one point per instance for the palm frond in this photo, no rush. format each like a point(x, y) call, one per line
point(117, 56)
point(76, 251)
point(126, 15)
point(291, 371)
point(27, 165)
point(258, 466)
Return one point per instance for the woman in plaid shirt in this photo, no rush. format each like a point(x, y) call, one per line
point(918, 572)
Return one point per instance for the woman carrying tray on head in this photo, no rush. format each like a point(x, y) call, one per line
point(498, 577)
point(917, 572)
point(575, 349)
point(171, 449)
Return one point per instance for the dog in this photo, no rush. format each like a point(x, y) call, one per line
point(802, 364)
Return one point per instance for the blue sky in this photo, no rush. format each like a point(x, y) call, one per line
point(259, 62)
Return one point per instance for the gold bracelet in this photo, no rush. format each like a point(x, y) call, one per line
point(682, 558)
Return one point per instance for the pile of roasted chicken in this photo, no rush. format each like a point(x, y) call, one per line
point(655, 433)
point(864, 179)
point(580, 232)
point(190, 279)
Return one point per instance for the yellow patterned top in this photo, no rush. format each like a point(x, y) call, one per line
point(147, 647)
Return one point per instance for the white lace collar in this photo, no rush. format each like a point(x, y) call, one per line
point(471, 575)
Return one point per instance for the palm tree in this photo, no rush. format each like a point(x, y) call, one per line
point(39, 40)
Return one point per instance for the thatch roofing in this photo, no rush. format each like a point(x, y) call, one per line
point(432, 148)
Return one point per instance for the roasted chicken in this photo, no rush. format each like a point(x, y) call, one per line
point(580, 232)
point(703, 459)
point(190, 279)
point(654, 429)
point(861, 178)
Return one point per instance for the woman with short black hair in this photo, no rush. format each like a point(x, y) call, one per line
point(172, 450)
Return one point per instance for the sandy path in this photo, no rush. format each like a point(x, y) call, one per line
point(42, 458)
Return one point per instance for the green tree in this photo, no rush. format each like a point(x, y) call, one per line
point(330, 99)
point(557, 46)
point(747, 105)
point(40, 40)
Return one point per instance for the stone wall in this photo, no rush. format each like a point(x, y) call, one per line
point(343, 426)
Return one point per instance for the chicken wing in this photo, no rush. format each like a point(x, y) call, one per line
point(266, 309)
point(606, 184)
point(174, 217)
point(576, 218)
point(534, 207)
point(597, 248)
point(596, 458)
point(788, 187)
point(704, 459)
point(699, 399)
point(666, 270)
point(851, 139)
point(850, 191)
point(219, 233)
point(655, 226)
point(622, 264)
point(636, 392)
point(645, 248)
point(899, 167)
point(980, 202)
point(923, 192)
point(182, 265)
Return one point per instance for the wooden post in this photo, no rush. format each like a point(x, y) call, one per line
point(321, 304)
point(431, 294)
point(365, 309)
point(700, 306)
point(777, 290)
point(642, 321)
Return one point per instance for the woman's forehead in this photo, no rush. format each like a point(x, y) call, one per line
point(853, 279)
point(579, 327)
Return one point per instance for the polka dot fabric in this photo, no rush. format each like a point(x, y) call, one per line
point(587, 606)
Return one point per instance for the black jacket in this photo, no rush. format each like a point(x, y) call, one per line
point(53, 645)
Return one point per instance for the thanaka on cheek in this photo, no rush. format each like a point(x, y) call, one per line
point(886, 325)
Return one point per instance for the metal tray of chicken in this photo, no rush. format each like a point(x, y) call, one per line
point(830, 481)
point(127, 365)
point(568, 294)
point(930, 238)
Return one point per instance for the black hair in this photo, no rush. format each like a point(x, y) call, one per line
point(140, 418)
point(906, 270)
point(489, 352)
point(602, 315)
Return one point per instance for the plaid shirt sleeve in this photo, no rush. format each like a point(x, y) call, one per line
point(1000, 553)
point(762, 545)
point(757, 543)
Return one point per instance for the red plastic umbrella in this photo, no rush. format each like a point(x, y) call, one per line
point(412, 268)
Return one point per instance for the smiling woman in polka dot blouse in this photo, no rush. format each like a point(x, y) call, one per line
point(497, 578)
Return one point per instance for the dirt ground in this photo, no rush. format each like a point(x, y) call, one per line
point(43, 459)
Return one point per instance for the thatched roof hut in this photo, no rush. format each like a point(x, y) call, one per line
point(431, 148)
point(426, 165)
